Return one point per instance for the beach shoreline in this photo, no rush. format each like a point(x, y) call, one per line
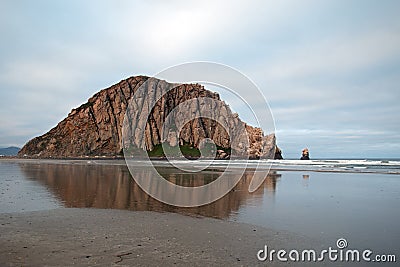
point(105, 237)
point(92, 213)
point(366, 166)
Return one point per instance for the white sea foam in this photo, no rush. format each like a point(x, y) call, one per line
point(327, 165)
point(342, 165)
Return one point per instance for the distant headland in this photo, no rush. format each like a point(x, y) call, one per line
point(9, 151)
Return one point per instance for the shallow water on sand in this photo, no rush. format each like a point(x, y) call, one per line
point(361, 207)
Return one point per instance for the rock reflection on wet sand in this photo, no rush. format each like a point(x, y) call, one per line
point(111, 187)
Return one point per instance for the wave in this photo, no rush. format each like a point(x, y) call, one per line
point(342, 165)
point(326, 165)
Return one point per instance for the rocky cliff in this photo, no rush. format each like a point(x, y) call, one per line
point(96, 127)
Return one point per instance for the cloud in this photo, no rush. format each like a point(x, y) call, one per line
point(337, 56)
point(330, 70)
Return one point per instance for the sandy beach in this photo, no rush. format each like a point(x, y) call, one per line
point(100, 237)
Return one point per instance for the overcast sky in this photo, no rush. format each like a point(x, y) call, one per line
point(329, 69)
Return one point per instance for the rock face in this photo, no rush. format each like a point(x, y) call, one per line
point(305, 154)
point(278, 153)
point(96, 127)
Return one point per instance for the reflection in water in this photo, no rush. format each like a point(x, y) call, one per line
point(111, 186)
point(189, 179)
point(306, 178)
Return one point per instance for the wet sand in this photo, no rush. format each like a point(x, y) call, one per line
point(100, 237)
point(126, 227)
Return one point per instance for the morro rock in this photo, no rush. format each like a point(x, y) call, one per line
point(96, 127)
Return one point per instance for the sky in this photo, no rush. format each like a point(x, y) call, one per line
point(330, 70)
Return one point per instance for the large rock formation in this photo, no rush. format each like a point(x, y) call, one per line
point(96, 127)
